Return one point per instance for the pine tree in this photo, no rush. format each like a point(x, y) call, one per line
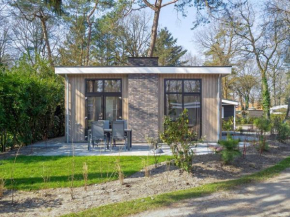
point(167, 50)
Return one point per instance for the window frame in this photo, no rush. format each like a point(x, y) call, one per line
point(183, 93)
point(103, 96)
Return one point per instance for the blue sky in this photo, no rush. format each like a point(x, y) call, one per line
point(179, 26)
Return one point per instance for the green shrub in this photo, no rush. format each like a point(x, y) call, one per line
point(180, 139)
point(228, 125)
point(31, 104)
point(240, 129)
point(245, 120)
point(263, 125)
point(230, 149)
point(282, 130)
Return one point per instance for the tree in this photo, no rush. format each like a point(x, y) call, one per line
point(180, 5)
point(277, 78)
point(5, 35)
point(244, 82)
point(167, 50)
point(192, 60)
point(42, 10)
point(260, 40)
point(134, 35)
point(221, 48)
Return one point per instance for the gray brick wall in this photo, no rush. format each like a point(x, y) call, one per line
point(143, 106)
point(143, 61)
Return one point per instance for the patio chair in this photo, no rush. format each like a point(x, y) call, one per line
point(118, 132)
point(97, 134)
point(125, 123)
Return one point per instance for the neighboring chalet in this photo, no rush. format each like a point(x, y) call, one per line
point(229, 110)
point(143, 93)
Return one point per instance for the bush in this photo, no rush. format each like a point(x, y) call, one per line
point(178, 136)
point(228, 125)
point(31, 104)
point(230, 149)
point(263, 125)
point(282, 130)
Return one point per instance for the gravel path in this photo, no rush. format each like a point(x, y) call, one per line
point(271, 198)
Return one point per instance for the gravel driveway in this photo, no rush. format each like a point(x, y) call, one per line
point(270, 198)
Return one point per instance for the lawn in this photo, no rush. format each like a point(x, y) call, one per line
point(37, 172)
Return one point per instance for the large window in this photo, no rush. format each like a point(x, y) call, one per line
point(184, 94)
point(103, 100)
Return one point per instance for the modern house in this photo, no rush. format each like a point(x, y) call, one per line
point(229, 110)
point(143, 93)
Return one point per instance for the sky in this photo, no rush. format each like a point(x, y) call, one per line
point(179, 26)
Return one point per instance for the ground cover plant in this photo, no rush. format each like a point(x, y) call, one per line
point(29, 171)
point(143, 204)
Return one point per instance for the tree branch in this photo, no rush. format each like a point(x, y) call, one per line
point(169, 3)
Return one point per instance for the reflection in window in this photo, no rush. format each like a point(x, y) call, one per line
point(191, 86)
point(174, 86)
point(112, 86)
point(113, 108)
point(90, 86)
point(192, 104)
point(184, 94)
point(174, 105)
point(98, 87)
point(94, 109)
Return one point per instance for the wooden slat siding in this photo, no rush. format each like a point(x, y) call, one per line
point(77, 103)
point(208, 98)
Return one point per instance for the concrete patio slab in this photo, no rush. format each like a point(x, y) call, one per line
point(57, 147)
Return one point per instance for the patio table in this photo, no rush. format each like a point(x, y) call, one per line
point(109, 131)
point(129, 136)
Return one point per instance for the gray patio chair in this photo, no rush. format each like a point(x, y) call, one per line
point(97, 134)
point(125, 123)
point(118, 132)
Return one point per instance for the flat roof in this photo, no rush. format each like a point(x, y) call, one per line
point(223, 70)
point(229, 102)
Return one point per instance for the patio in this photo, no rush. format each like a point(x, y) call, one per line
point(58, 147)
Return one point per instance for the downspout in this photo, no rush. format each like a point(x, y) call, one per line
point(67, 110)
point(218, 109)
point(234, 117)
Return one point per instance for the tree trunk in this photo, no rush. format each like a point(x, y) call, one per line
point(45, 36)
point(266, 101)
point(274, 90)
point(247, 101)
point(154, 29)
point(225, 88)
point(89, 44)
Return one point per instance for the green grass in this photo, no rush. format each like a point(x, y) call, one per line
point(140, 205)
point(28, 171)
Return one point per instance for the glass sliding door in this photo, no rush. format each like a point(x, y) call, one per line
point(95, 110)
point(113, 108)
point(103, 100)
point(192, 104)
point(174, 105)
point(183, 94)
